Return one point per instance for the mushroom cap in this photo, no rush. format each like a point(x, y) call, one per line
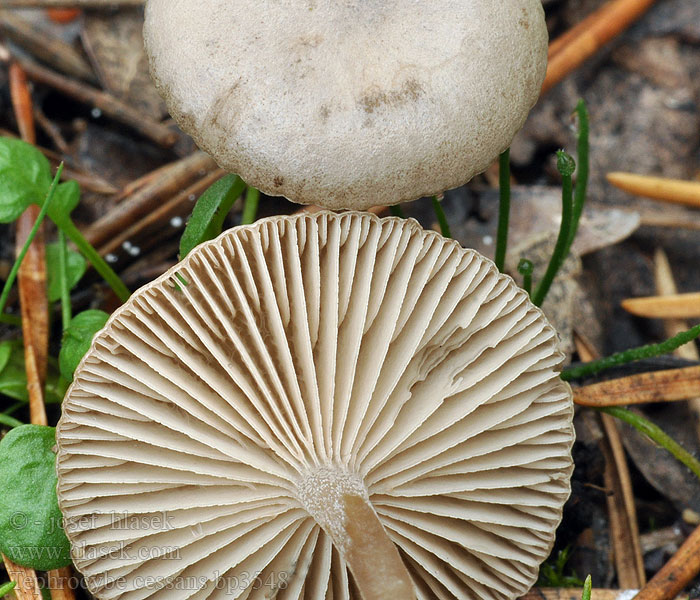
point(228, 405)
point(349, 103)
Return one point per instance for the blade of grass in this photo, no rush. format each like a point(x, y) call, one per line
point(503, 210)
point(63, 277)
point(7, 588)
point(250, 208)
point(67, 226)
point(9, 422)
point(441, 217)
point(656, 434)
point(587, 588)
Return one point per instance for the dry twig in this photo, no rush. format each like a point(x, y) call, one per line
point(154, 222)
point(45, 46)
point(658, 386)
point(666, 285)
point(622, 513)
point(675, 191)
point(25, 578)
point(678, 306)
point(585, 39)
point(31, 280)
point(677, 573)
point(148, 198)
point(34, 305)
point(108, 104)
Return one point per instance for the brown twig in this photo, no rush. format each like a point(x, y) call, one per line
point(678, 306)
point(666, 285)
point(154, 222)
point(27, 584)
point(624, 531)
point(675, 191)
point(108, 104)
point(586, 38)
point(672, 385)
point(678, 572)
point(31, 282)
point(46, 46)
point(150, 197)
point(59, 584)
point(134, 186)
point(51, 130)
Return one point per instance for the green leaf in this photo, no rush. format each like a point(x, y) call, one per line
point(78, 338)
point(587, 585)
point(5, 353)
point(13, 376)
point(210, 211)
point(31, 532)
point(66, 198)
point(25, 177)
point(75, 267)
point(6, 588)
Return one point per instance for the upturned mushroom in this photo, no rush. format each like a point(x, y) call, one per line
point(318, 406)
point(349, 103)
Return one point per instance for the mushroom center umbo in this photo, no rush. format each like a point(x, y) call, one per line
point(339, 502)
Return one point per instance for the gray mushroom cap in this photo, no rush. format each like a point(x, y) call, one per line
point(349, 103)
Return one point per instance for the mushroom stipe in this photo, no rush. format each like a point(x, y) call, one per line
point(334, 406)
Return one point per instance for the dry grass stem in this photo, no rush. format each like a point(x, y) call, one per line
point(665, 286)
point(149, 197)
point(108, 104)
point(658, 386)
point(27, 583)
point(622, 512)
point(678, 306)
point(675, 191)
point(585, 39)
point(153, 223)
point(42, 44)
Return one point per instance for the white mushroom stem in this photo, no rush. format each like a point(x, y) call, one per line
point(339, 502)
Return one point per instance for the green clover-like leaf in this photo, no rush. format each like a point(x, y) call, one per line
point(77, 339)
point(25, 177)
point(31, 532)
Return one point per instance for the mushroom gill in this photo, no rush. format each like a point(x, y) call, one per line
point(318, 406)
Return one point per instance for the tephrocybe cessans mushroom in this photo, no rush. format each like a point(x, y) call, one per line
point(318, 406)
point(349, 103)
